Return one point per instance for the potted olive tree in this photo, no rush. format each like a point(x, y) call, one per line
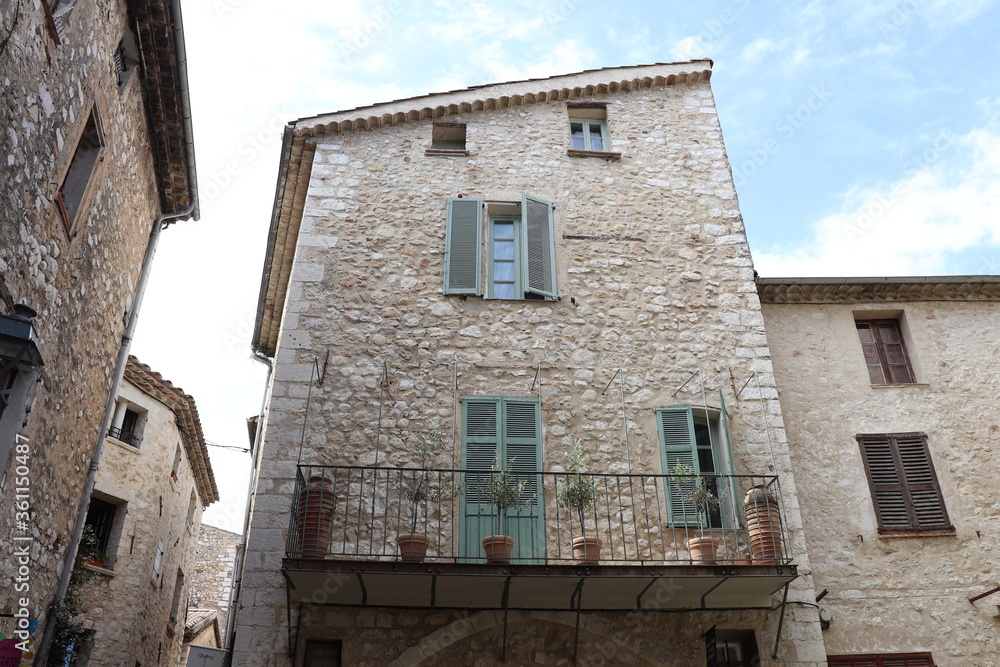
point(502, 489)
point(698, 495)
point(415, 490)
point(578, 494)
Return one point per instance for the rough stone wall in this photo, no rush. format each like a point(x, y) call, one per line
point(212, 579)
point(896, 594)
point(664, 288)
point(128, 608)
point(81, 284)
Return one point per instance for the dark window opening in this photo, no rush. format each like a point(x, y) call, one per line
point(322, 653)
point(731, 648)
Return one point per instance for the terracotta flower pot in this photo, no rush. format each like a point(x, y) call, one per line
point(702, 548)
point(315, 516)
point(763, 526)
point(412, 547)
point(498, 548)
point(587, 550)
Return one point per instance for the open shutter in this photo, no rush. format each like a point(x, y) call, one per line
point(678, 448)
point(539, 247)
point(886, 486)
point(522, 431)
point(463, 246)
point(480, 440)
point(734, 501)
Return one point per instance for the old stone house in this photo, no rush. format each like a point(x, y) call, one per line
point(96, 157)
point(887, 386)
point(212, 579)
point(154, 481)
point(469, 283)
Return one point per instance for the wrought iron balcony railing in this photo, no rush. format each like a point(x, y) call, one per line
point(128, 437)
point(359, 513)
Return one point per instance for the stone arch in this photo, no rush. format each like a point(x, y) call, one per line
point(594, 629)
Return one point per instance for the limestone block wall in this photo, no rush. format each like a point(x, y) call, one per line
point(655, 279)
point(81, 284)
point(129, 607)
point(896, 594)
point(212, 579)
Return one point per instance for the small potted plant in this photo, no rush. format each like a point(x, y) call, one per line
point(697, 493)
point(415, 490)
point(89, 550)
point(502, 489)
point(578, 494)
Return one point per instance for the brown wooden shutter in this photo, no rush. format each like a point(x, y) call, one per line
point(903, 483)
point(885, 353)
point(887, 660)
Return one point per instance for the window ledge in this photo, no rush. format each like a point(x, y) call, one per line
point(444, 152)
point(943, 532)
point(124, 445)
point(920, 385)
point(103, 571)
point(607, 155)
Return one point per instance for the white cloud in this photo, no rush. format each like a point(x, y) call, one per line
point(948, 203)
point(690, 48)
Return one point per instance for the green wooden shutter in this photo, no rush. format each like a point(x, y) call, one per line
point(675, 425)
point(463, 247)
point(480, 443)
point(538, 249)
point(522, 443)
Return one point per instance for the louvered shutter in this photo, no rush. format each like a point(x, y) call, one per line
point(539, 249)
point(904, 486)
point(891, 340)
point(480, 441)
point(463, 246)
point(898, 660)
point(675, 425)
point(522, 442)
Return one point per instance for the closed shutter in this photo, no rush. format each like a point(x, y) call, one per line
point(463, 246)
point(675, 425)
point(539, 250)
point(512, 428)
point(903, 483)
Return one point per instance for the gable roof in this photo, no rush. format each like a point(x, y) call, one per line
point(298, 150)
point(188, 423)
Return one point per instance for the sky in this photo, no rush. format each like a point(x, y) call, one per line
point(864, 137)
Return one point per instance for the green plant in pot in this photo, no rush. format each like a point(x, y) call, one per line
point(697, 493)
point(504, 490)
point(416, 489)
point(578, 494)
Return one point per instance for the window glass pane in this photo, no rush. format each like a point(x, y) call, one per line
point(596, 144)
point(503, 272)
point(576, 132)
point(503, 250)
point(503, 230)
point(503, 291)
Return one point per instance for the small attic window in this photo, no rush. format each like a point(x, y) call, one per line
point(447, 137)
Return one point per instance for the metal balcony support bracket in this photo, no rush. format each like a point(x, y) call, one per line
point(504, 601)
point(434, 590)
point(364, 590)
point(578, 596)
point(638, 598)
point(288, 611)
point(710, 590)
point(781, 622)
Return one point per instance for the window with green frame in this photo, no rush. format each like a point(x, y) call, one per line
point(520, 249)
point(697, 437)
point(588, 128)
point(504, 431)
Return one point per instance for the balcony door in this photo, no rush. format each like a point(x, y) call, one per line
point(503, 432)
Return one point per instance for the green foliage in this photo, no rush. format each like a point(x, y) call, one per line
point(70, 631)
point(578, 493)
point(696, 492)
point(502, 488)
point(416, 489)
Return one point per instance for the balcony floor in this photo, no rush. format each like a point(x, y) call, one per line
point(534, 587)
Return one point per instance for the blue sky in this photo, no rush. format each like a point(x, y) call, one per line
point(864, 137)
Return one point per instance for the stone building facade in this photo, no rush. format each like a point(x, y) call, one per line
point(215, 564)
point(154, 481)
point(894, 441)
point(566, 253)
point(95, 148)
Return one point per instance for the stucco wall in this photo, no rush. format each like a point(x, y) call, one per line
point(81, 284)
point(661, 289)
point(128, 608)
point(896, 594)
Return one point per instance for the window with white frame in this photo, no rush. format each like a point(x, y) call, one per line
point(519, 249)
